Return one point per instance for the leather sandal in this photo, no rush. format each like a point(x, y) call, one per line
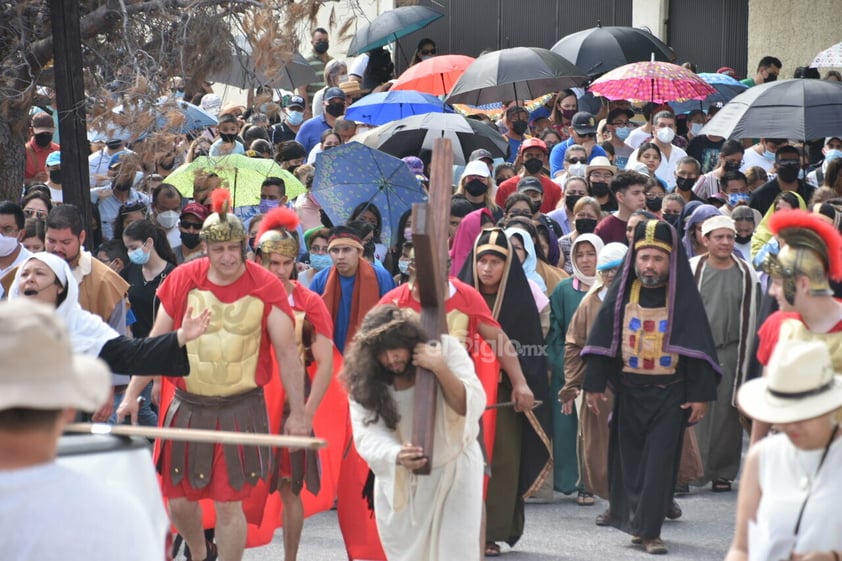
point(492, 549)
point(720, 486)
point(604, 519)
point(674, 511)
point(585, 499)
point(654, 546)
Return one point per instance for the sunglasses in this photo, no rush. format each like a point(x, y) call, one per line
point(428, 52)
point(578, 160)
point(191, 226)
point(32, 213)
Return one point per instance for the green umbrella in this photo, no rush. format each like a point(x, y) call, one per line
point(239, 173)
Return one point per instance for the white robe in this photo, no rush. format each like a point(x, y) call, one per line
point(432, 517)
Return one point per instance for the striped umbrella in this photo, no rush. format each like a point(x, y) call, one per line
point(653, 81)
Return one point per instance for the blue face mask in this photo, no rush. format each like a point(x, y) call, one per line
point(266, 205)
point(403, 266)
point(319, 262)
point(622, 132)
point(769, 156)
point(138, 256)
point(736, 198)
point(295, 118)
point(832, 155)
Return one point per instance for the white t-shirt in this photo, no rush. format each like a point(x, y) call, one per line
point(751, 159)
point(636, 137)
point(666, 170)
point(53, 513)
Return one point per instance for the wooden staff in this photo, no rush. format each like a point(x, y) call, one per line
point(200, 435)
point(503, 404)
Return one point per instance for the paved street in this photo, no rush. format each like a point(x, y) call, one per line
point(562, 530)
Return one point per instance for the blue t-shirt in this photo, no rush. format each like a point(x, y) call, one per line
point(514, 148)
point(557, 155)
point(311, 131)
point(343, 317)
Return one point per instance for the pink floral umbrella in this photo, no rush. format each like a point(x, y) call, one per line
point(655, 81)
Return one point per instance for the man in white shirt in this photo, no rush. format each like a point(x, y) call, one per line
point(762, 154)
point(12, 253)
point(664, 128)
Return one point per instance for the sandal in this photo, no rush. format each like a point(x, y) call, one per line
point(720, 486)
point(585, 499)
point(604, 519)
point(492, 549)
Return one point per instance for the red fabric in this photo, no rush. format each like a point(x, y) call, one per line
point(36, 158)
point(366, 292)
point(307, 301)
point(552, 192)
point(256, 281)
point(612, 229)
point(770, 331)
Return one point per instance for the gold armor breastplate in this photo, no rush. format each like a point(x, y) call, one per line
point(223, 361)
point(644, 330)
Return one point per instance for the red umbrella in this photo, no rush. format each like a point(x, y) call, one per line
point(653, 81)
point(435, 75)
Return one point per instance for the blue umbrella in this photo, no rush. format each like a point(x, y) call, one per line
point(352, 174)
point(384, 107)
point(726, 88)
point(171, 115)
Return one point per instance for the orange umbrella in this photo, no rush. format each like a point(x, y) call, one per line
point(435, 75)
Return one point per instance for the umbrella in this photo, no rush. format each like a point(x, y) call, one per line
point(182, 117)
point(601, 49)
point(391, 26)
point(799, 109)
point(653, 81)
point(435, 75)
point(725, 86)
point(829, 58)
point(352, 174)
point(244, 176)
point(242, 72)
point(516, 73)
point(413, 135)
point(384, 107)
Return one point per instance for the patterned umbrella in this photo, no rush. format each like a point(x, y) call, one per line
point(829, 58)
point(352, 174)
point(726, 89)
point(655, 81)
point(434, 76)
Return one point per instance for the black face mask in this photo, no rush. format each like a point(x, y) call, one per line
point(672, 219)
point(570, 202)
point(742, 239)
point(321, 47)
point(43, 139)
point(585, 225)
point(600, 189)
point(55, 176)
point(226, 137)
point(685, 183)
point(732, 166)
point(535, 206)
point(770, 78)
point(368, 248)
point(519, 127)
point(475, 187)
point(113, 144)
point(654, 204)
point(335, 109)
point(788, 174)
point(292, 169)
point(533, 165)
point(189, 239)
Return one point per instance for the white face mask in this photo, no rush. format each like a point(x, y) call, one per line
point(168, 219)
point(577, 170)
point(665, 135)
point(7, 245)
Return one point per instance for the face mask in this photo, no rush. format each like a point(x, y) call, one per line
point(519, 127)
point(114, 144)
point(321, 47)
point(426, 57)
point(672, 219)
point(43, 139)
point(138, 256)
point(55, 176)
point(189, 239)
point(736, 198)
point(696, 128)
point(770, 78)
point(600, 189)
point(475, 187)
point(319, 262)
point(407, 234)
point(577, 170)
point(7, 245)
point(266, 205)
point(829, 157)
point(622, 132)
point(335, 110)
point(167, 219)
point(535, 206)
point(732, 166)
point(295, 118)
point(585, 225)
point(369, 247)
point(230, 138)
point(403, 266)
point(788, 173)
point(685, 183)
point(742, 239)
point(570, 202)
point(568, 113)
point(292, 169)
point(654, 204)
point(769, 155)
point(665, 135)
point(533, 165)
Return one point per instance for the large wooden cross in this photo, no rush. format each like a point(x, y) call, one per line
point(429, 238)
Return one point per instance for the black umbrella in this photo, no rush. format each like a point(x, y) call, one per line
point(801, 109)
point(413, 135)
point(517, 73)
point(241, 72)
point(391, 26)
point(600, 49)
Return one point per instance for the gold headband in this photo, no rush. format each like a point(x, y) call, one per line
point(649, 239)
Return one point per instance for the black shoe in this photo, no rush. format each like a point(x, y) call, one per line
point(674, 511)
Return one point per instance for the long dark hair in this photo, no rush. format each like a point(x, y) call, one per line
point(384, 328)
point(140, 230)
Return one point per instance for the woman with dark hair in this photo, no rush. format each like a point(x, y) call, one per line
point(368, 212)
point(426, 49)
point(565, 105)
point(36, 204)
point(128, 213)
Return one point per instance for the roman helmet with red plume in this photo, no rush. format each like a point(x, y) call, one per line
point(222, 225)
point(277, 233)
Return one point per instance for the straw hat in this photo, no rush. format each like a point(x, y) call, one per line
point(800, 384)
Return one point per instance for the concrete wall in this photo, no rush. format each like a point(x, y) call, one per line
point(651, 14)
point(795, 31)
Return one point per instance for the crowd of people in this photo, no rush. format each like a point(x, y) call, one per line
point(629, 295)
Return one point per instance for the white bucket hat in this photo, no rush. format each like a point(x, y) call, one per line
point(39, 369)
point(800, 384)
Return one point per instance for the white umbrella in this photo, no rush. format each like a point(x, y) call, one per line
point(829, 58)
